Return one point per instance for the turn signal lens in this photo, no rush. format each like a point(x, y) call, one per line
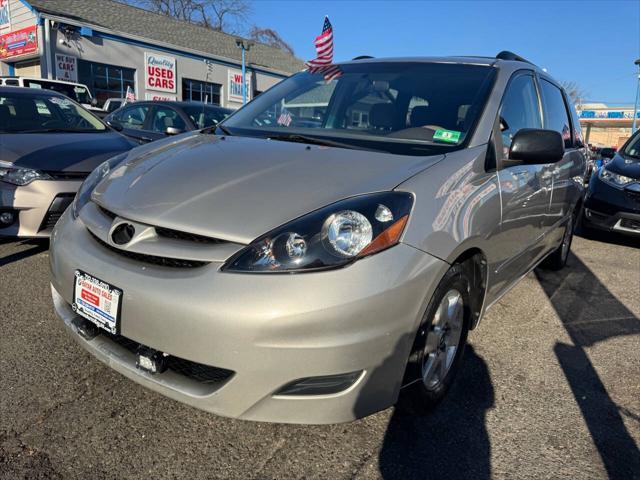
point(388, 238)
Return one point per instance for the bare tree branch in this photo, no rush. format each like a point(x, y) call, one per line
point(230, 16)
point(271, 38)
point(575, 92)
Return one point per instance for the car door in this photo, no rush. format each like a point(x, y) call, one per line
point(163, 117)
point(567, 174)
point(524, 189)
point(133, 119)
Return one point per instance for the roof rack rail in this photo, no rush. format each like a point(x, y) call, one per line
point(507, 55)
point(362, 57)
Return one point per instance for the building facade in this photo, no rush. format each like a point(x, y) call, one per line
point(109, 47)
point(606, 125)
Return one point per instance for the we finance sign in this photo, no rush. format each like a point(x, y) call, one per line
point(160, 73)
point(235, 86)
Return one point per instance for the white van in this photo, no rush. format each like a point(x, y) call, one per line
point(76, 91)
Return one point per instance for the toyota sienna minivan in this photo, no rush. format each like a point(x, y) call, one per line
point(323, 253)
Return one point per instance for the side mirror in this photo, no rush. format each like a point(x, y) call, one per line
point(173, 131)
point(607, 153)
point(94, 102)
point(533, 146)
point(115, 125)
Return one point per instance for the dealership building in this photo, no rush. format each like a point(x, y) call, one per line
point(109, 47)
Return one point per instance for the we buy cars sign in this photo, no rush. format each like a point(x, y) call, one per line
point(160, 73)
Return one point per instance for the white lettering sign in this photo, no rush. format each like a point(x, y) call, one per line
point(234, 92)
point(66, 68)
point(160, 73)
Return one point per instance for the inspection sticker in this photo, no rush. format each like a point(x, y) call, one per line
point(450, 136)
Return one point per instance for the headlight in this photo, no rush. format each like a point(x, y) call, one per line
point(614, 179)
point(20, 176)
point(91, 182)
point(331, 237)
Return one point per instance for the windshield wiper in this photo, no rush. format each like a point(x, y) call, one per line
point(296, 138)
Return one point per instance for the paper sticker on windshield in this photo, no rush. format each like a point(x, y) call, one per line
point(60, 101)
point(450, 136)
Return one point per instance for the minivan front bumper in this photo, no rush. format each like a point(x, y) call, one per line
point(269, 330)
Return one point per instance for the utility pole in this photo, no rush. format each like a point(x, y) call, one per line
point(245, 47)
point(635, 105)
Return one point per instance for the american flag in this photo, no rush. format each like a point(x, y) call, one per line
point(285, 118)
point(324, 49)
point(130, 96)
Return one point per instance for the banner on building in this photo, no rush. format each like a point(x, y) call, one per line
point(234, 92)
point(160, 73)
point(5, 16)
point(66, 68)
point(159, 97)
point(19, 43)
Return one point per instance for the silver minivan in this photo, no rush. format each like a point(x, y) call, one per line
point(323, 253)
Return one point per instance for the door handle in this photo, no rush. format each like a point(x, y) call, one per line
point(146, 139)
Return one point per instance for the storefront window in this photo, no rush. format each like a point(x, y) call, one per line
point(106, 81)
point(195, 91)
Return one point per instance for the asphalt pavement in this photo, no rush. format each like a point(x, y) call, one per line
point(550, 388)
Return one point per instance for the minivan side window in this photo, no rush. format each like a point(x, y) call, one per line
point(520, 109)
point(555, 111)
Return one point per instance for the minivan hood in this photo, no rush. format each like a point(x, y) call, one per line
point(237, 188)
point(61, 152)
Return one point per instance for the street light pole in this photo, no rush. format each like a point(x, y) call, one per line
point(635, 105)
point(245, 48)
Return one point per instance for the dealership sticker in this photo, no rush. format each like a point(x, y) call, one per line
point(60, 101)
point(450, 136)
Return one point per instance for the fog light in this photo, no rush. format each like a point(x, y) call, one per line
point(7, 218)
point(151, 360)
point(325, 385)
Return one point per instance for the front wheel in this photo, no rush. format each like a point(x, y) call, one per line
point(439, 345)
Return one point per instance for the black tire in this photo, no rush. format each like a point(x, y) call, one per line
point(416, 398)
point(558, 259)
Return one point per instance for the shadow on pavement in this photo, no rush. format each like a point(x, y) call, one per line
point(452, 442)
point(37, 246)
point(591, 313)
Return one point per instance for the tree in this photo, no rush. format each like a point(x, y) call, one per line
point(270, 37)
point(575, 92)
point(228, 16)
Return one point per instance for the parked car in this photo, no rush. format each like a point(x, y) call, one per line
point(613, 199)
point(48, 145)
point(145, 122)
point(76, 91)
point(317, 272)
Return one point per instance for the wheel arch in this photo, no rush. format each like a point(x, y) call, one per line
point(475, 262)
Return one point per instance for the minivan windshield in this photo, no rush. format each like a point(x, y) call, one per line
point(400, 107)
point(40, 113)
point(77, 92)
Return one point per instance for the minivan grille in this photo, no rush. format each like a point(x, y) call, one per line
point(152, 259)
point(174, 234)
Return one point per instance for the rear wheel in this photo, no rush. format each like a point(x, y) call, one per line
point(558, 259)
point(439, 345)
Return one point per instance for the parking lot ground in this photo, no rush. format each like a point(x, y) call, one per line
point(550, 388)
